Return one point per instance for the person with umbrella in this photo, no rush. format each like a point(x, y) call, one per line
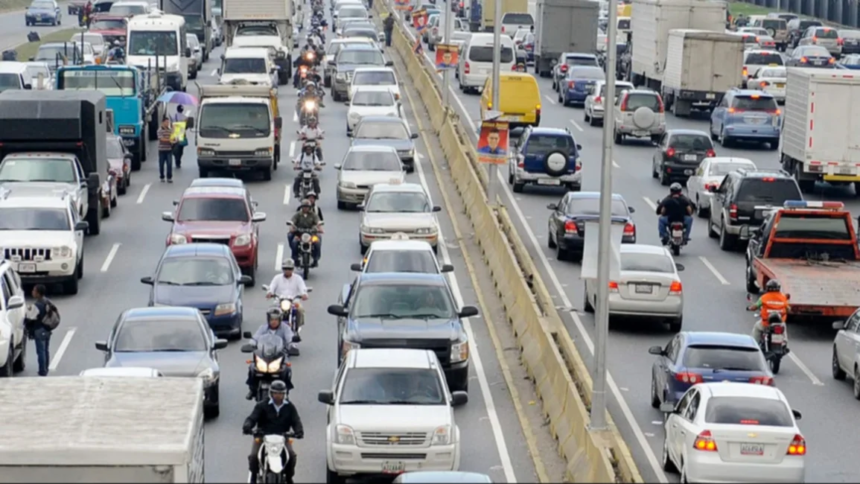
point(179, 126)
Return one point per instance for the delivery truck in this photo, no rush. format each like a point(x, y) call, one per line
point(563, 26)
point(701, 66)
point(820, 134)
point(654, 19)
point(269, 20)
point(101, 429)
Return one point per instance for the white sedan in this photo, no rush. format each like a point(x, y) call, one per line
point(711, 173)
point(733, 432)
point(375, 76)
point(371, 101)
point(771, 80)
point(593, 109)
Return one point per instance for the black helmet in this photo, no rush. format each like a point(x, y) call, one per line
point(772, 286)
point(278, 387)
point(274, 313)
point(774, 318)
point(675, 188)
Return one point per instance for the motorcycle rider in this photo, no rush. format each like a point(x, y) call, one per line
point(278, 416)
point(274, 325)
point(304, 219)
point(675, 208)
point(306, 160)
point(312, 199)
point(116, 54)
point(303, 60)
point(312, 132)
point(772, 302)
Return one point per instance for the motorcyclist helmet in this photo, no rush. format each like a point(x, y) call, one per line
point(675, 188)
point(774, 318)
point(308, 148)
point(312, 120)
point(311, 194)
point(305, 204)
point(288, 264)
point(278, 387)
point(274, 314)
point(772, 286)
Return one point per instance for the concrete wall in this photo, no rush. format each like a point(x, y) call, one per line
point(836, 12)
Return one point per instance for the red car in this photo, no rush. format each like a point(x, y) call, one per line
point(221, 215)
point(112, 28)
point(119, 162)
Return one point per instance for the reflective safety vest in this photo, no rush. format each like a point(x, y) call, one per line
point(773, 302)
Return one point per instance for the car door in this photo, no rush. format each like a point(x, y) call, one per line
point(673, 426)
point(847, 342)
point(5, 295)
point(665, 365)
point(335, 388)
point(657, 159)
point(718, 114)
point(687, 428)
point(79, 234)
point(556, 219)
point(696, 183)
point(719, 200)
point(14, 316)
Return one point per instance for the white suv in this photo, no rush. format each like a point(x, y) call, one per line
point(389, 412)
point(13, 341)
point(43, 237)
point(639, 113)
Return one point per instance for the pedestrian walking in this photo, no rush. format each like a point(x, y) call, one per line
point(388, 25)
point(165, 150)
point(179, 124)
point(41, 320)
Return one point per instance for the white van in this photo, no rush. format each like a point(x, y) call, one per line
point(349, 12)
point(251, 64)
point(162, 35)
point(13, 75)
point(476, 61)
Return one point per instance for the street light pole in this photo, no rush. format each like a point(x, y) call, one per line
point(598, 392)
point(492, 172)
point(446, 74)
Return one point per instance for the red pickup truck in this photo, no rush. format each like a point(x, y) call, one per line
point(811, 249)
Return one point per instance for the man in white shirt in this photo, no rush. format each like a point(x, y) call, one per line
point(312, 132)
point(291, 286)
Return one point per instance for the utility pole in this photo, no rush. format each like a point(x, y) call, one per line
point(446, 74)
point(493, 169)
point(598, 392)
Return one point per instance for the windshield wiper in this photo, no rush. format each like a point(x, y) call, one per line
point(203, 284)
point(171, 350)
point(220, 128)
point(247, 126)
point(168, 283)
point(363, 402)
point(379, 315)
point(426, 316)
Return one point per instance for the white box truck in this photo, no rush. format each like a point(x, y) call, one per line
point(101, 429)
point(701, 66)
point(654, 19)
point(267, 19)
point(821, 131)
point(563, 26)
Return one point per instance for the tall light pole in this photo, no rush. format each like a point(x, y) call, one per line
point(492, 171)
point(446, 74)
point(598, 392)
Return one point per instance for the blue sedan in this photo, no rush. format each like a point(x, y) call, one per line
point(43, 12)
point(575, 87)
point(701, 357)
point(850, 61)
point(202, 276)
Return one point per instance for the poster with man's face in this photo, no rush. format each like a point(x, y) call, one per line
point(401, 4)
point(419, 20)
point(493, 142)
point(446, 56)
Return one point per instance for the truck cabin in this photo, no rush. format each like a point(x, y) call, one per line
point(114, 81)
point(819, 231)
point(256, 28)
point(237, 118)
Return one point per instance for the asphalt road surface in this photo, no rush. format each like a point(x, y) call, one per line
point(13, 30)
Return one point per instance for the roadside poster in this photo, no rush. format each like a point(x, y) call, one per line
point(446, 56)
point(401, 4)
point(493, 142)
point(419, 20)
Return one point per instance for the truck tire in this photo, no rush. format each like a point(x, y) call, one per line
point(283, 78)
point(94, 218)
point(142, 149)
point(153, 123)
point(267, 174)
point(70, 287)
point(137, 154)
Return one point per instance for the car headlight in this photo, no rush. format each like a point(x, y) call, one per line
point(441, 436)
point(208, 375)
point(460, 351)
point(178, 239)
point(347, 184)
point(373, 230)
point(425, 231)
point(223, 309)
point(263, 152)
point(205, 152)
point(273, 367)
point(344, 435)
point(242, 240)
point(64, 252)
point(340, 76)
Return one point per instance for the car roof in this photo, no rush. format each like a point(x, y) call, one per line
point(374, 68)
point(370, 148)
point(398, 245)
point(246, 52)
point(687, 131)
point(719, 338)
point(732, 389)
point(362, 46)
point(642, 91)
point(642, 249)
point(761, 51)
point(397, 187)
point(123, 371)
point(218, 182)
point(550, 131)
point(356, 40)
point(403, 278)
point(13, 67)
point(213, 192)
point(591, 195)
point(730, 159)
point(751, 92)
point(392, 358)
point(195, 249)
point(440, 477)
point(161, 312)
point(580, 54)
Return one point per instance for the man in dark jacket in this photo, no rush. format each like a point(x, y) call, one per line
point(388, 27)
point(36, 328)
point(276, 417)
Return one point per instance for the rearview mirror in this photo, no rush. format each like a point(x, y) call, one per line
point(189, 123)
point(656, 350)
point(326, 398)
point(188, 52)
point(337, 310)
point(468, 312)
point(218, 70)
point(679, 267)
point(797, 415)
point(245, 280)
point(437, 209)
point(552, 206)
point(176, 203)
point(167, 217)
point(838, 324)
point(259, 217)
point(82, 225)
point(247, 335)
point(355, 267)
point(15, 302)
point(459, 398)
point(631, 209)
point(248, 348)
point(667, 407)
point(579, 147)
point(101, 345)
point(147, 280)
point(220, 344)
point(447, 268)
point(414, 135)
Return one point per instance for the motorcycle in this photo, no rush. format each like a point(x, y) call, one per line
point(307, 240)
point(270, 362)
point(676, 237)
point(273, 457)
point(306, 184)
point(308, 108)
point(774, 342)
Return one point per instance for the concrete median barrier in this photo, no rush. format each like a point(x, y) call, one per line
point(560, 375)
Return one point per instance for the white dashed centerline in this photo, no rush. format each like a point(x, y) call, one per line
point(143, 193)
point(279, 256)
point(576, 125)
point(64, 345)
point(292, 149)
point(110, 257)
point(650, 203)
point(551, 100)
point(287, 192)
point(714, 270)
point(295, 117)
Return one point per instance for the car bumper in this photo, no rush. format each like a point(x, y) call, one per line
point(41, 19)
point(245, 256)
point(225, 324)
point(236, 164)
point(47, 272)
point(351, 195)
point(597, 113)
point(473, 80)
point(671, 307)
point(680, 170)
point(705, 199)
point(571, 96)
point(368, 238)
point(709, 467)
point(523, 176)
point(748, 132)
point(640, 133)
point(350, 460)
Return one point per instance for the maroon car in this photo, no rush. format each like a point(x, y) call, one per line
point(221, 215)
point(119, 162)
point(113, 29)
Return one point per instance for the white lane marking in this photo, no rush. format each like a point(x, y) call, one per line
point(650, 203)
point(714, 271)
point(292, 149)
point(805, 369)
point(279, 256)
point(55, 360)
point(576, 125)
point(551, 100)
point(110, 257)
point(214, 72)
point(295, 117)
point(143, 193)
point(288, 190)
point(499, 436)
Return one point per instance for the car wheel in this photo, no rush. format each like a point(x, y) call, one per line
point(711, 232)
point(518, 187)
point(554, 84)
point(549, 240)
point(655, 398)
point(856, 382)
point(70, 287)
point(122, 188)
point(113, 200)
point(676, 324)
point(585, 116)
point(561, 254)
point(6, 370)
point(700, 211)
point(752, 285)
point(214, 410)
point(725, 141)
point(619, 138)
point(106, 209)
point(668, 465)
point(586, 304)
point(727, 241)
point(662, 175)
point(332, 477)
point(838, 372)
point(714, 136)
point(21, 363)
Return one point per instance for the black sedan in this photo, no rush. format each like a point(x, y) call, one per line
point(568, 218)
point(810, 56)
point(679, 152)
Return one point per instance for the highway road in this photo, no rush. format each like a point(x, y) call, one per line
point(13, 30)
point(715, 296)
point(133, 239)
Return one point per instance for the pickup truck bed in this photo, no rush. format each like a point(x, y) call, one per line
point(817, 288)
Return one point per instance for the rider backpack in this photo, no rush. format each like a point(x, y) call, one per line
point(52, 316)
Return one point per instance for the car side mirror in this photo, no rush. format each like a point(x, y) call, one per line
point(437, 209)
point(259, 217)
point(355, 267)
point(667, 407)
point(337, 166)
point(248, 348)
point(28, 86)
point(167, 217)
point(552, 206)
point(176, 203)
point(247, 335)
point(279, 122)
point(468, 312)
point(459, 398)
point(447, 268)
point(631, 209)
point(188, 52)
point(578, 147)
point(32, 59)
point(189, 123)
point(414, 135)
point(389, 63)
point(15, 302)
point(220, 344)
point(147, 280)
point(245, 280)
point(839, 325)
point(83, 226)
point(745, 232)
point(101, 345)
point(797, 414)
point(656, 351)
point(337, 310)
point(679, 267)
point(326, 398)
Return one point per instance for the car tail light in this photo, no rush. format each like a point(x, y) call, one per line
point(578, 165)
point(815, 40)
point(803, 60)
point(797, 446)
point(709, 186)
point(762, 380)
point(711, 153)
point(598, 100)
point(676, 288)
point(670, 152)
point(687, 377)
point(629, 229)
point(779, 329)
point(705, 442)
point(624, 103)
point(537, 111)
point(733, 212)
point(570, 84)
point(564, 68)
point(521, 164)
point(466, 68)
point(745, 72)
point(768, 179)
point(831, 60)
point(840, 42)
point(613, 286)
point(503, 29)
point(570, 227)
point(660, 101)
point(763, 84)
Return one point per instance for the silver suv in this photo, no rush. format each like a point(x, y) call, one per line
point(825, 37)
point(639, 113)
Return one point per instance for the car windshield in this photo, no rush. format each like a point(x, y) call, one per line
point(631, 261)
point(360, 57)
point(59, 170)
point(763, 59)
point(728, 358)
point(33, 71)
point(589, 73)
point(779, 73)
point(371, 130)
point(754, 103)
point(244, 66)
point(580, 61)
point(162, 43)
point(352, 12)
point(591, 206)
point(814, 51)
point(372, 161)
point(224, 120)
point(9, 81)
point(484, 53)
point(403, 301)
point(800, 226)
point(690, 142)
point(23, 219)
point(108, 24)
point(722, 169)
point(182, 271)
point(773, 191)
point(748, 411)
point(213, 209)
point(374, 78)
point(542, 145)
point(58, 52)
point(372, 98)
point(636, 101)
point(111, 82)
point(42, 5)
point(160, 335)
point(364, 33)
point(518, 18)
point(826, 34)
point(418, 261)
point(409, 202)
point(123, 10)
point(114, 147)
point(392, 386)
point(249, 30)
point(193, 23)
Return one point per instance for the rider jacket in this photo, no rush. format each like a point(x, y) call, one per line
point(307, 161)
point(315, 209)
point(309, 133)
point(772, 302)
point(281, 331)
point(305, 221)
point(676, 208)
point(272, 421)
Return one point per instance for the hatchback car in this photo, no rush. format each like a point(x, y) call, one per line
point(810, 56)
point(850, 41)
point(846, 351)
point(776, 28)
point(575, 85)
point(387, 131)
point(649, 286)
point(399, 254)
point(825, 37)
point(120, 162)
point(756, 59)
point(221, 215)
point(709, 176)
point(593, 109)
point(746, 115)
point(398, 208)
point(202, 276)
point(544, 156)
point(697, 357)
point(566, 225)
point(641, 114)
point(371, 101)
point(43, 12)
point(568, 60)
point(678, 154)
point(797, 27)
point(361, 168)
point(771, 80)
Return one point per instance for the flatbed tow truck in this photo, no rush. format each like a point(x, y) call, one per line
point(811, 249)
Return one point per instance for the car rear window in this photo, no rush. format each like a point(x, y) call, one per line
point(580, 61)
point(774, 191)
point(805, 24)
point(748, 411)
point(484, 53)
point(773, 73)
point(763, 59)
point(591, 206)
point(827, 34)
point(543, 144)
point(518, 18)
point(773, 23)
point(636, 101)
point(646, 263)
point(730, 358)
point(815, 50)
point(419, 261)
point(726, 168)
point(754, 103)
point(691, 142)
point(800, 226)
point(587, 73)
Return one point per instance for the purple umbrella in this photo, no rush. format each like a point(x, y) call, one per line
point(178, 97)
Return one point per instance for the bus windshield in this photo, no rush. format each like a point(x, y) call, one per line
point(112, 82)
point(142, 42)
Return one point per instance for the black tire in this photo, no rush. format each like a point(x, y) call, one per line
point(332, 477)
point(94, 217)
point(856, 382)
point(203, 172)
point(676, 250)
point(774, 364)
point(751, 284)
point(114, 201)
point(6, 370)
point(667, 463)
point(586, 304)
point(137, 154)
point(306, 271)
point(80, 270)
point(327, 81)
point(21, 363)
point(214, 410)
point(727, 241)
point(70, 287)
point(252, 273)
point(675, 325)
point(836, 370)
point(655, 398)
point(122, 188)
point(518, 187)
point(549, 240)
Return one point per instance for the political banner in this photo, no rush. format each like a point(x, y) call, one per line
point(493, 142)
point(419, 20)
point(447, 56)
point(401, 4)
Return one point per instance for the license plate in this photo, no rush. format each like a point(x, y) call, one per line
point(549, 181)
point(513, 119)
point(235, 162)
point(777, 339)
point(641, 133)
point(29, 268)
point(710, 95)
point(780, 85)
point(128, 142)
point(393, 467)
point(644, 288)
point(818, 63)
point(690, 157)
point(752, 449)
point(307, 175)
point(846, 171)
point(677, 233)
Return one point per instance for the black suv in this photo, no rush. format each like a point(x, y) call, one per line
point(744, 198)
